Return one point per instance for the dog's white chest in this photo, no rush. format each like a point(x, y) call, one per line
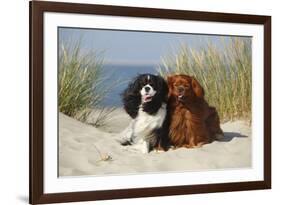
point(145, 123)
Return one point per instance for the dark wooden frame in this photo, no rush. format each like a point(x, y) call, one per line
point(37, 9)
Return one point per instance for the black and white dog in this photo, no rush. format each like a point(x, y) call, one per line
point(145, 101)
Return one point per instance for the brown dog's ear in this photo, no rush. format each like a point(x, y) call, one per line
point(170, 79)
point(197, 88)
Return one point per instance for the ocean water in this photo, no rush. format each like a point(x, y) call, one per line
point(119, 76)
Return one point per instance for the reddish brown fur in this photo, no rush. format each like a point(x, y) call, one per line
point(192, 121)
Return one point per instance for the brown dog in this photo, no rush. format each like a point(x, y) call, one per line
point(192, 121)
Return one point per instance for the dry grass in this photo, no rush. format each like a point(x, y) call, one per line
point(225, 73)
point(81, 87)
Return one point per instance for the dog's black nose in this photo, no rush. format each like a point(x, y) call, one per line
point(147, 89)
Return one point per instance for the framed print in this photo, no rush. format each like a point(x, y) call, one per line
point(139, 102)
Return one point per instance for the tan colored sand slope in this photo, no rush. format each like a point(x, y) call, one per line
point(86, 150)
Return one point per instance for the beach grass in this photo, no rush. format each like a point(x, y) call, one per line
point(224, 71)
point(81, 83)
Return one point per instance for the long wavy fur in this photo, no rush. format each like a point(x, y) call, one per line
point(132, 101)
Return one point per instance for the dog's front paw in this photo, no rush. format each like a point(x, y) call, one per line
point(145, 150)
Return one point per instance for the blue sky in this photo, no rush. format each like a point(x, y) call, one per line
point(136, 48)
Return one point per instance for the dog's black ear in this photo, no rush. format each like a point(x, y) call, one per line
point(163, 88)
point(131, 97)
point(135, 86)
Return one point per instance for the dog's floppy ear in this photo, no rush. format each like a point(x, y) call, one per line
point(170, 79)
point(131, 97)
point(163, 86)
point(134, 86)
point(197, 88)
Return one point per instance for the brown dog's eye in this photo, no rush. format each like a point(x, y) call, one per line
point(186, 86)
point(182, 85)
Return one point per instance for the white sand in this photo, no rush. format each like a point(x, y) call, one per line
point(80, 144)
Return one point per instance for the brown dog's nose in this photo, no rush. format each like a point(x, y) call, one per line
point(180, 89)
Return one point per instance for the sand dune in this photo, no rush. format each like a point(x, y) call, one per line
point(86, 150)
